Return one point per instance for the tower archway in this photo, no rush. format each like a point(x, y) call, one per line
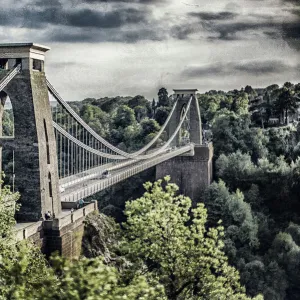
point(7, 132)
point(184, 132)
point(191, 130)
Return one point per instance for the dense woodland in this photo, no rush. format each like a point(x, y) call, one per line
point(241, 241)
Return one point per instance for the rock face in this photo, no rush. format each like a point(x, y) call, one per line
point(101, 235)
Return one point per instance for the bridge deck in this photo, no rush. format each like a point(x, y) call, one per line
point(94, 184)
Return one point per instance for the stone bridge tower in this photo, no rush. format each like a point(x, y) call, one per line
point(191, 173)
point(34, 142)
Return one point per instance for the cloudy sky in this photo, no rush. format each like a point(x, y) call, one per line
point(121, 47)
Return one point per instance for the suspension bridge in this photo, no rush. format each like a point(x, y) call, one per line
point(58, 159)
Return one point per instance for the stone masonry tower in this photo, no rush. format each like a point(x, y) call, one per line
point(191, 173)
point(34, 145)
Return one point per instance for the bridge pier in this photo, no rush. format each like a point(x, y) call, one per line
point(193, 174)
point(33, 143)
point(63, 234)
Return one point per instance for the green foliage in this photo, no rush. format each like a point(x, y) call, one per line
point(8, 123)
point(163, 99)
point(250, 91)
point(140, 112)
point(92, 279)
point(234, 167)
point(240, 104)
point(24, 273)
point(232, 132)
point(169, 247)
point(246, 234)
point(161, 114)
point(149, 126)
point(286, 102)
point(96, 118)
point(164, 232)
point(240, 225)
point(294, 231)
point(124, 117)
point(139, 101)
point(286, 253)
point(282, 141)
point(8, 208)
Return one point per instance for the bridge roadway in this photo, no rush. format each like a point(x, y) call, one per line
point(92, 184)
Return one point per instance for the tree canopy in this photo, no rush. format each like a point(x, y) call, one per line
point(173, 240)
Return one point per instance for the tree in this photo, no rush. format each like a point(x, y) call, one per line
point(288, 85)
point(138, 101)
point(161, 114)
point(240, 103)
point(173, 240)
point(97, 119)
point(250, 91)
point(272, 87)
point(240, 224)
point(140, 113)
point(92, 279)
point(24, 273)
point(149, 126)
point(228, 131)
point(124, 116)
point(132, 136)
point(285, 103)
point(297, 88)
point(153, 106)
point(163, 98)
point(286, 253)
point(8, 208)
point(235, 168)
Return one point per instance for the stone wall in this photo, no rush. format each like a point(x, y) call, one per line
point(63, 234)
point(66, 240)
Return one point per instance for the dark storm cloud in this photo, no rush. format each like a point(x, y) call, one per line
point(52, 3)
point(82, 23)
point(226, 28)
point(39, 18)
point(136, 22)
point(4, 18)
point(291, 31)
point(266, 67)
point(111, 35)
point(250, 68)
point(214, 16)
point(230, 31)
point(91, 18)
point(124, 1)
point(293, 1)
point(182, 32)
